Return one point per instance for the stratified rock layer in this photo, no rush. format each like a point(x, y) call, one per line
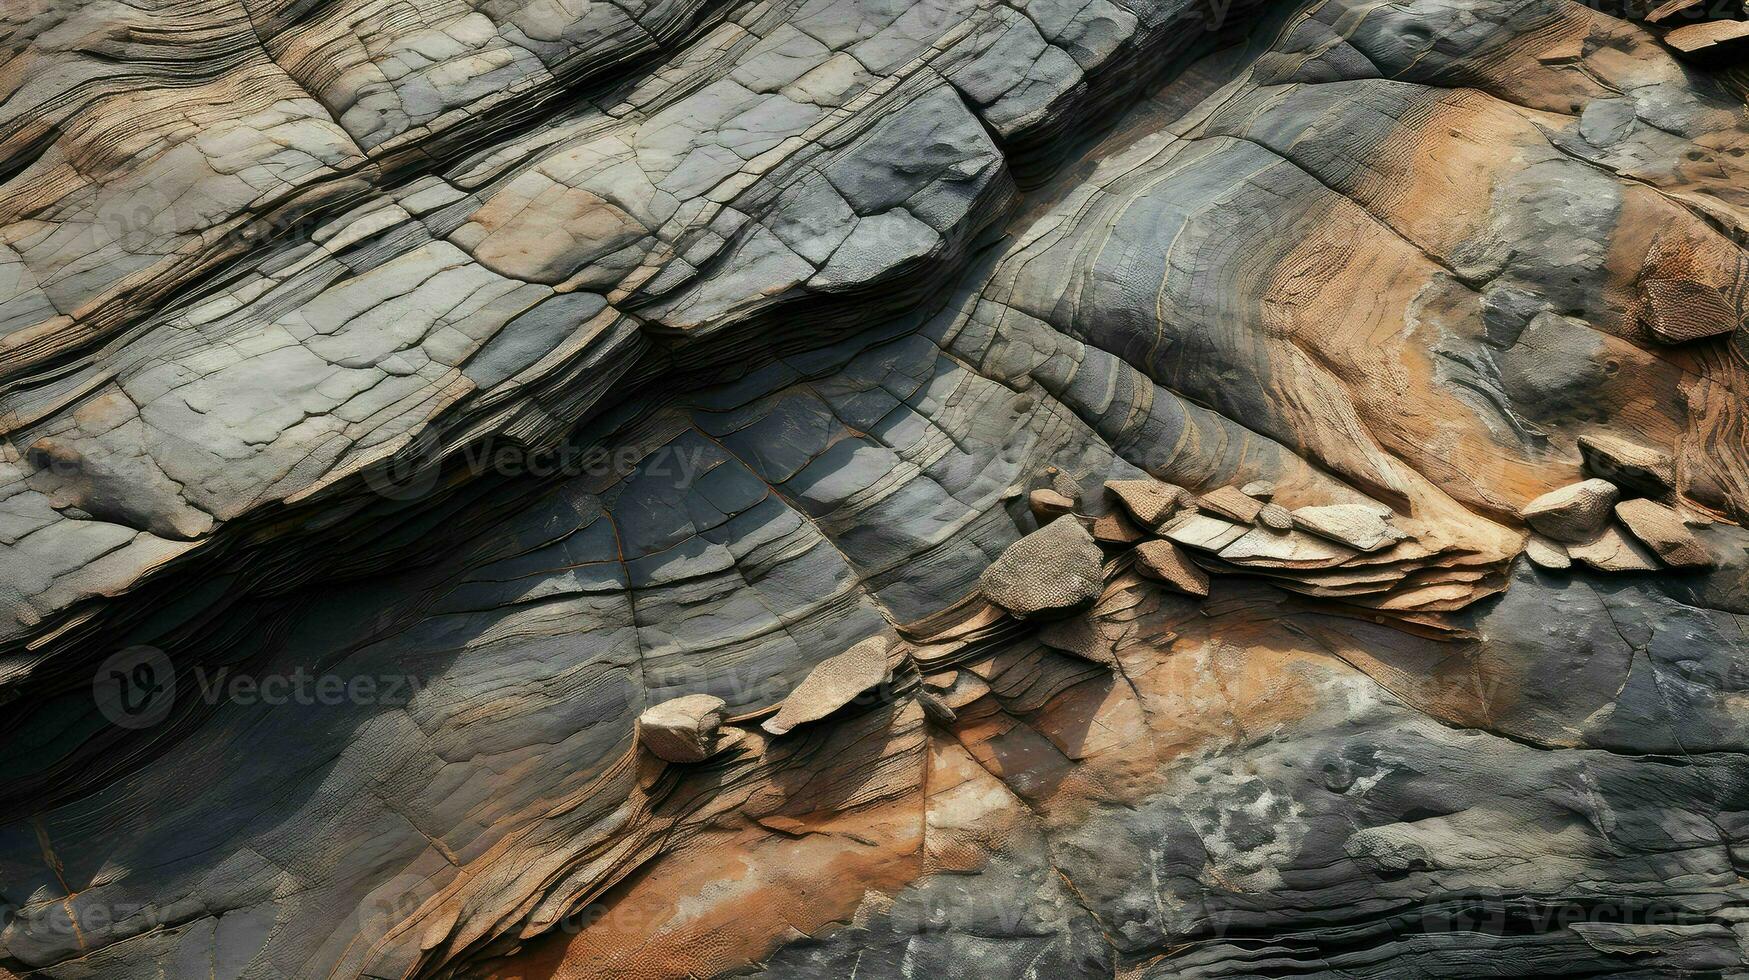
point(401, 401)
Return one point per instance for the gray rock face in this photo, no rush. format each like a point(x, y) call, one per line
point(424, 422)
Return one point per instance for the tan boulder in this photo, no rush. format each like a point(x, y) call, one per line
point(1054, 569)
point(682, 729)
point(1149, 501)
point(832, 684)
point(1663, 530)
point(1572, 513)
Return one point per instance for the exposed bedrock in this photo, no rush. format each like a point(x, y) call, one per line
point(844, 488)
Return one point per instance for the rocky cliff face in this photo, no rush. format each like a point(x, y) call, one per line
point(819, 488)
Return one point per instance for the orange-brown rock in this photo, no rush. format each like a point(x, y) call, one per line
point(1165, 562)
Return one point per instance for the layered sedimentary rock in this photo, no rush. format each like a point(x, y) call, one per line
point(1059, 488)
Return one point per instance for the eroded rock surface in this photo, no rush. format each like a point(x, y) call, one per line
point(413, 408)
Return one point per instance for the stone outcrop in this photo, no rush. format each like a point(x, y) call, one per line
point(832, 684)
point(1149, 502)
point(1051, 570)
point(1629, 464)
point(1165, 562)
point(1572, 513)
point(1662, 530)
point(1065, 488)
point(682, 729)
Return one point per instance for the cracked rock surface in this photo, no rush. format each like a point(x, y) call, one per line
point(806, 488)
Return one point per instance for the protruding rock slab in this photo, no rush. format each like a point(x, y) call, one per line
point(1261, 489)
point(1167, 563)
point(1547, 553)
point(1279, 549)
point(1572, 513)
point(1712, 43)
point(1663, 530)
point(1230, 503)
point(682, 729)
point(1613, 551)
point(1048, 505)
point(1054, 569)
point(1275, 517)
point(1115, 528)
point(1678, 11)
point(1079, 637)
point(1360, 526)
point(1150, 502)
point(1629, 464)
point(832, 684)
point(1206, 533)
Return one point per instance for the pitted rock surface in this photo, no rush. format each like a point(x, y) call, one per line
point(1053, 569)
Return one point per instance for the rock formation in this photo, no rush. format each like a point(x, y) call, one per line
point(824, 488)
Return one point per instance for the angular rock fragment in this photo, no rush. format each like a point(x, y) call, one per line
point(1063, 484)
point(1628, 464)
point(1115, 528)
point(955, 689)
point(1663, 530)
point(832, 684)
point(1047, 505)
point(1361, 526)
point(1714, 43)
point(1547, 553)
point(1204, 532)
point(1078, 636)
point(1572, 513)
point(1230, 503)
point(1275, 517)
point(937, 709)
point(682, 729)
point(1149, 501)
point(1613, 551)
point(1053, 569)
point(1261, 489)
point(1166, 563)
